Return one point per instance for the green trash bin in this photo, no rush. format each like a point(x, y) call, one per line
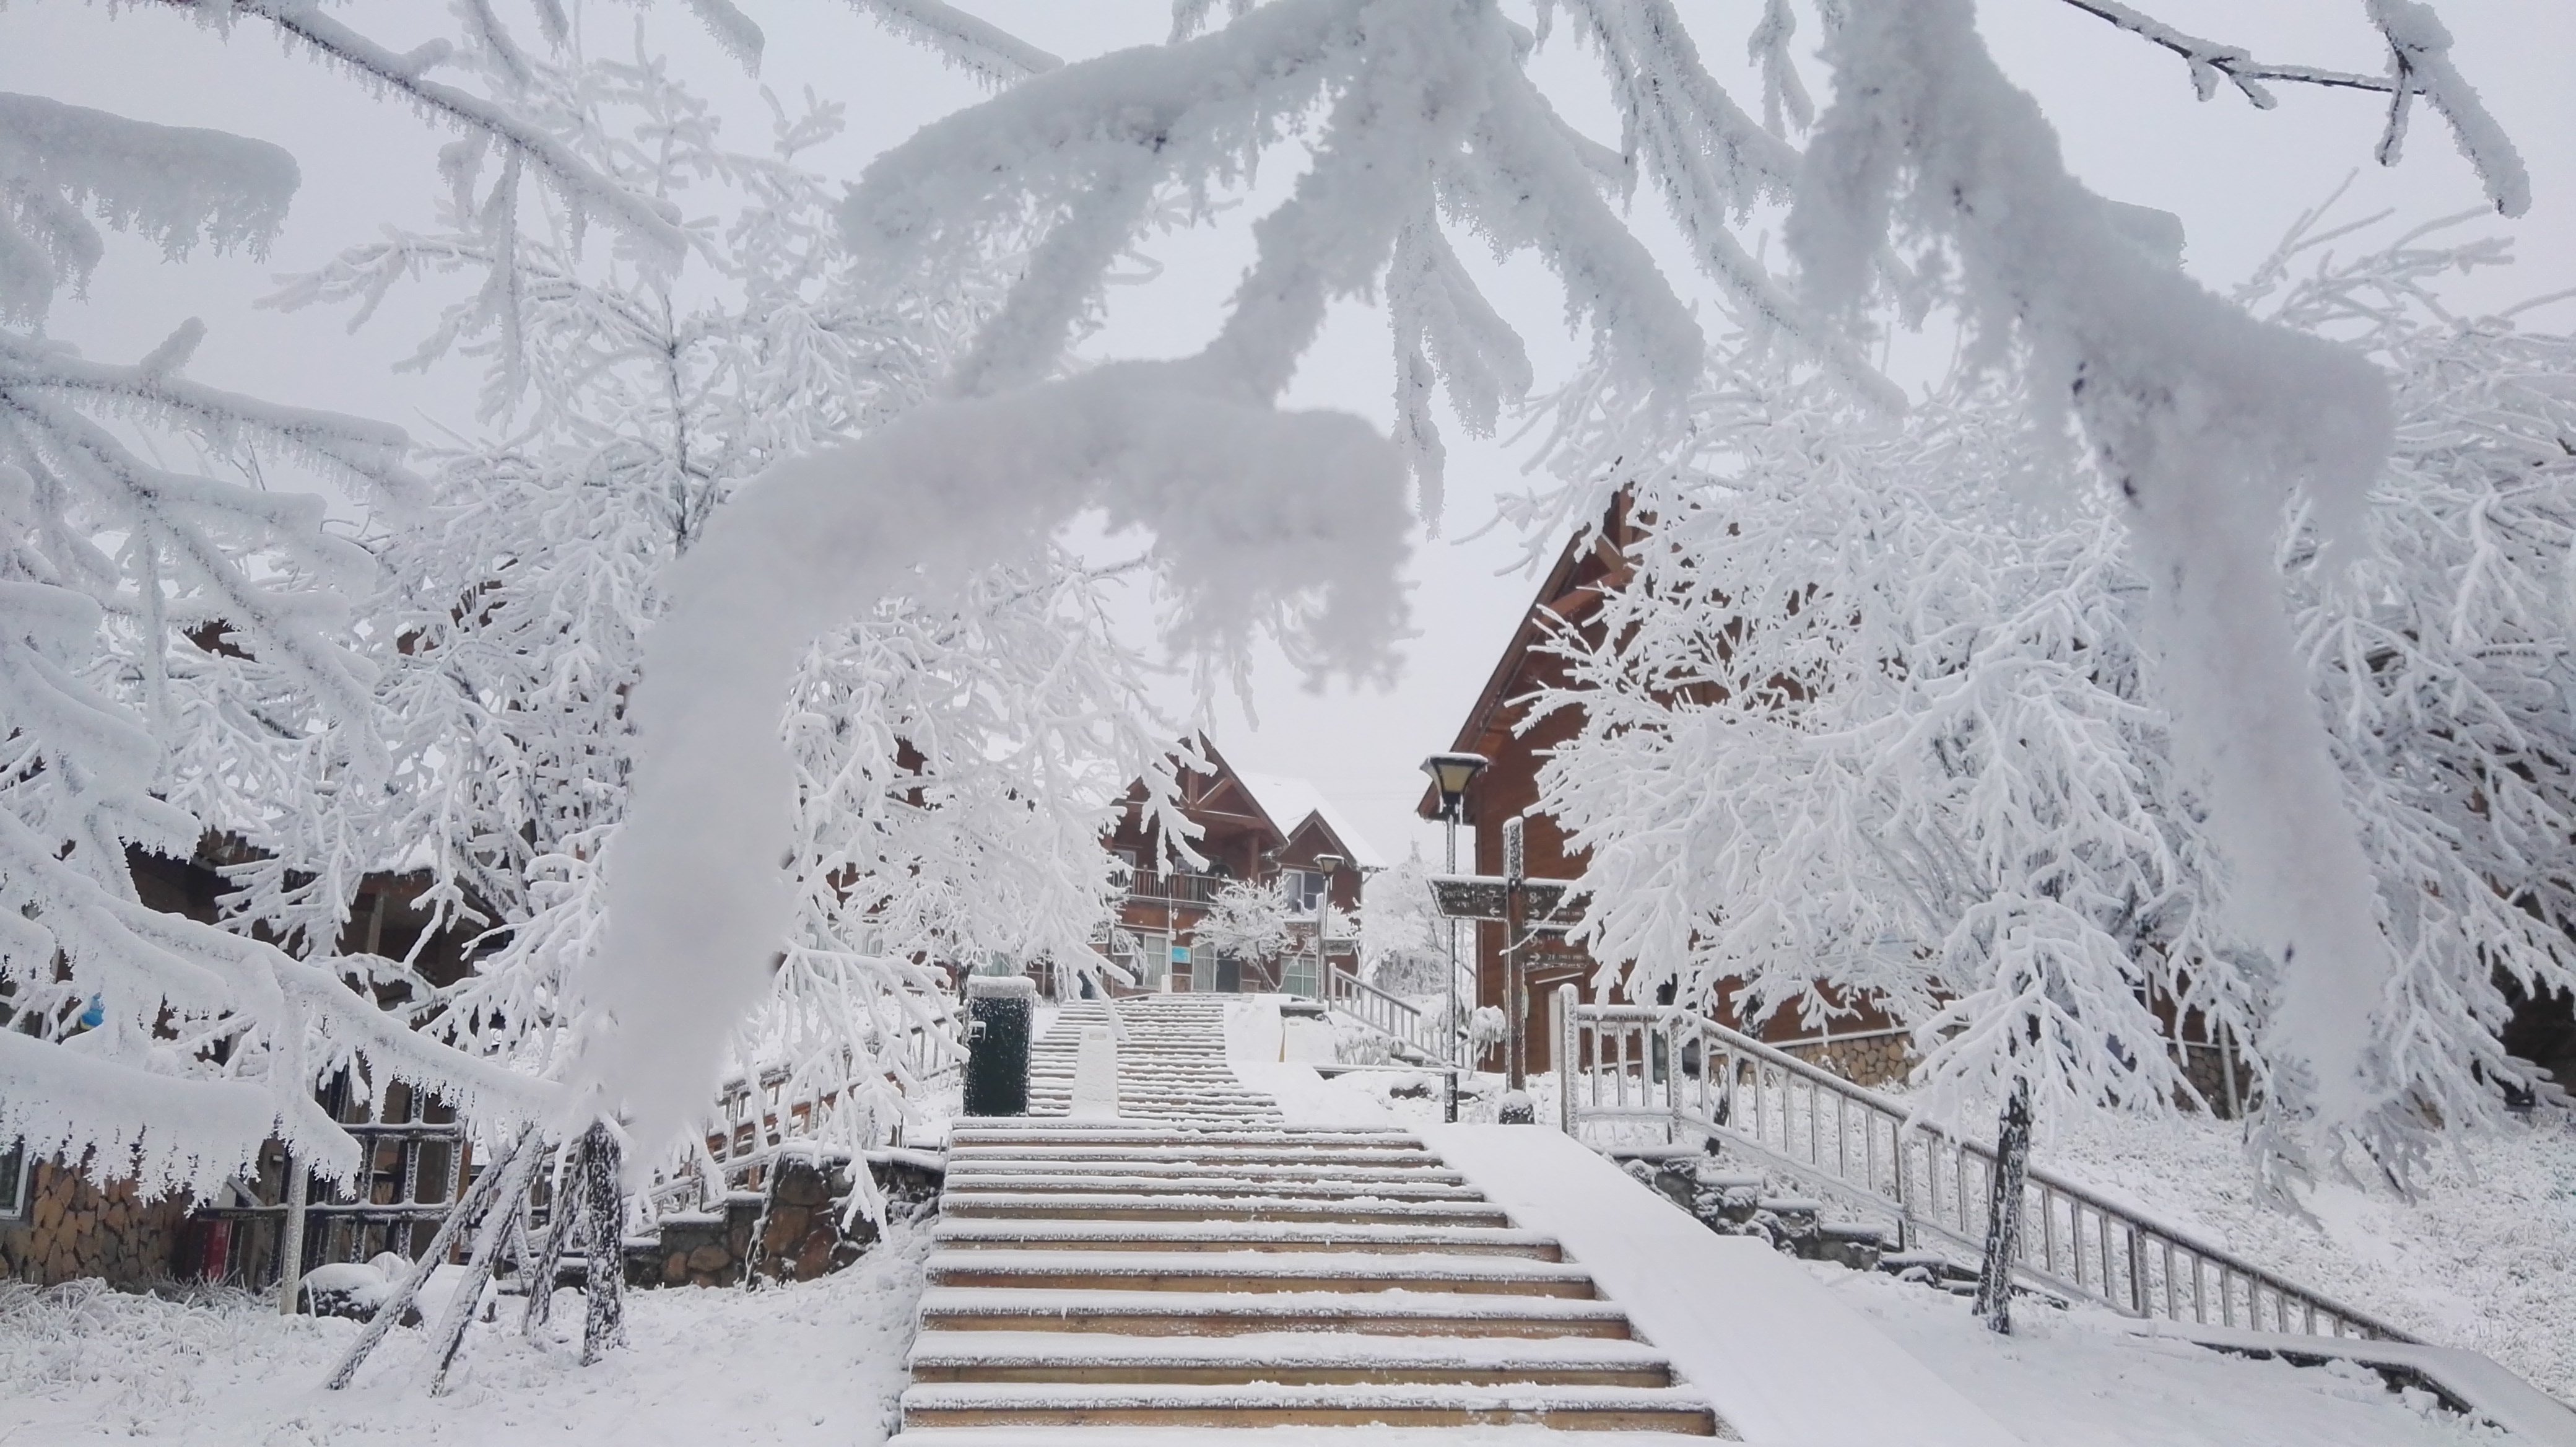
point(999, 1011)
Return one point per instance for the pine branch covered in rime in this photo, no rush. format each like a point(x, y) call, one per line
point(178, 661)
point(1878, 718)
point(1417, 112)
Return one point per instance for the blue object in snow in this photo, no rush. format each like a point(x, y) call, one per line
point(95, 1015)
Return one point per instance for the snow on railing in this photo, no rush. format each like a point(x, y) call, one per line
point(1374, 1008)
point(1616, 1063)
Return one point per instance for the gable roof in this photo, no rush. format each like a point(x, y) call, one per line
point(1593, 563)
point(1290, 802)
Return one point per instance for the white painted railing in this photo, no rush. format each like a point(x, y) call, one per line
point(1617, 1064)
point(1386, 1014)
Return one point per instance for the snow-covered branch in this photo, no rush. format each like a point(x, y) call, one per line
point(2419, 64)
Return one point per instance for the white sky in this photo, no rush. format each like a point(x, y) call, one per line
point(2124, 110)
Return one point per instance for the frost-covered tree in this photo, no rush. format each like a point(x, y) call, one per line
point(1930, 180)
point(1877, 716)
point(176, 659)
point(1248, 921)
point(1404, 939)
point(954, 764)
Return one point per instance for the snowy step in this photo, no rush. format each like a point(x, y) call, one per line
point(1122, 1206)
point(1269, 1404)
point(1178, 1313)
point(986, 1168)
point(1385, 1188)
point(1393, 1159)
point(1293, 1435)
point(1289, 1358)
point(992, 1131)
point(1241, 1236)
point(1256, 1271)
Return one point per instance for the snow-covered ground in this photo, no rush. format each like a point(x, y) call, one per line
point(2072, 1380)
point(815, 1363)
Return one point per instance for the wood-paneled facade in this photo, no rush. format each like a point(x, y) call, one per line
point(1593, 567)
point(1251, 828)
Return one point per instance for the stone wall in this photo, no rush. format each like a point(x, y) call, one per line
point(2204, 1067)
point(75, 1228)
point(789, 1230)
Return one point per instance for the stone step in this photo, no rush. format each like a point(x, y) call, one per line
point(1034, 1235)
point(1200, 1155)
point(1177, 1313)
point(1117, 1206)
point(1289, 1358)
point(1096, 1182)
point(1257, 1271)
point(985, 1169)
point(1514, 1435)
point(1013, 1131)
point(1572, 1408)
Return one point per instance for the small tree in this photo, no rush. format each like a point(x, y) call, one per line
point(1404, 941)
point(1248, 922)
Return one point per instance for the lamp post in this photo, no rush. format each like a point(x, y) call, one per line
point(1326, 865)
point(1451, 774)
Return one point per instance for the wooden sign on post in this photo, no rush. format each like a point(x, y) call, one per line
point(1526, 907)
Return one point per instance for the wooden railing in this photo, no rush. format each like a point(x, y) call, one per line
point(1176, 888)
point(1348, 994)
point(1684, 1073)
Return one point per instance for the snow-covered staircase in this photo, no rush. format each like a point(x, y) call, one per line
point(1171, 1066)
point(1197, 1264)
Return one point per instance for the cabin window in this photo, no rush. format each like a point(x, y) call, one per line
point(14, 1182)
point(1305, 886)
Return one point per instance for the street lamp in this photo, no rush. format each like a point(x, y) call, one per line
point(1451, 774)
point(1326, 865)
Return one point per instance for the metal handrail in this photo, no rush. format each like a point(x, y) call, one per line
point(1683, 1071)
point(1382, 1012)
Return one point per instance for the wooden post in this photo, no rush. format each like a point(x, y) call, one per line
point(1515, 986)
point(290, 1247)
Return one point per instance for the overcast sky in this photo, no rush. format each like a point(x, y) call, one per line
point(2124, 111)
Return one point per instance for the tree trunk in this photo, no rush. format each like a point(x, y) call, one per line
point(604, 1206)
point(2003, 1211)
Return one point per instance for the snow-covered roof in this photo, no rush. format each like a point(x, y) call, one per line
point(1288, 801)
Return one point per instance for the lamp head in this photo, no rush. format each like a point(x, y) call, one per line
point(1330, 864)
point(1451, 774)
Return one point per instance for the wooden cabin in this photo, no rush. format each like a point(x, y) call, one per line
point(1864, 1044)
point(1255, 827)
